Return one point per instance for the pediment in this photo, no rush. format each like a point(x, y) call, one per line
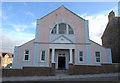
point(62, 39)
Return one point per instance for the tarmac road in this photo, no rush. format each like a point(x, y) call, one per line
point(113, 79)
point(98, 78)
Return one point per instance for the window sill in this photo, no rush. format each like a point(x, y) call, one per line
point(25, 60)
point(42, 61)
point(98, 62)
point(81, 62)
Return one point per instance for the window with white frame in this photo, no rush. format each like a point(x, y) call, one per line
point(62, 29)
point(70, 30)
point(27, 52)
point(97, 55)
point(43, 53)
point(81, 56)
point(54, 31)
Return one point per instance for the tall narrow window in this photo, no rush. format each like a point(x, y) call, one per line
point(54, 30)
point(26, 55)
point(70, 30)
point(97, 54)
point(80, 56)
point(62, 28)
point(43, 55)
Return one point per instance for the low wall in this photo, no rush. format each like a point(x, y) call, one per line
point(85, 69)
point(29, 71)
point(50, 71)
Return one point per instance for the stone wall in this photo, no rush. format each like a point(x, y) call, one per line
point(50, 71)
point(29, 71)
point(85, 69)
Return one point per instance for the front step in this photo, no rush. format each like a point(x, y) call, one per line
point(62, 72)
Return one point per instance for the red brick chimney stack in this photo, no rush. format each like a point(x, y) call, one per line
point(111, 15)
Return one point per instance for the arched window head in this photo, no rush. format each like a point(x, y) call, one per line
point(62, 29)
point(54, 30)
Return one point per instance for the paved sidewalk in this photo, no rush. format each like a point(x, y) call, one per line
point(43, 78)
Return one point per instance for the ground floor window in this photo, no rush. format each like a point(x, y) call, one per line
point(97, 55)
point(26, 54)
point(42, 55)
point(81, 58)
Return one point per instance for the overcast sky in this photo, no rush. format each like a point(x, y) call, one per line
point(19, 19)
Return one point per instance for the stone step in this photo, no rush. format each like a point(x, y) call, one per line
point(62, 72)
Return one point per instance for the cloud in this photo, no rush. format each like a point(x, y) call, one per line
point(8, 43)
point(34, 24)
point(25, 4)
point(19, 27)
point(5, 17)
point(30, 13)
point(12, 39)
point(97, 24)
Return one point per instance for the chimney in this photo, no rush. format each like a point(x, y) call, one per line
point(111, 15)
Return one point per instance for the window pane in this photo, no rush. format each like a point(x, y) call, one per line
point(97, 54)
point(62, 28)
point(26, 52)
point(26, 57)
point(81, 59)
point(70, 30)
point(81, 54)
point(97, 59)
point(54, 29)
point(43, 55)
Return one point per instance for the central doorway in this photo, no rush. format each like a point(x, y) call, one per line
point(61, 62)
point(62, 59)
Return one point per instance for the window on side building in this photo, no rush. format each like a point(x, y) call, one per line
point(97, 55)
point(26, 55)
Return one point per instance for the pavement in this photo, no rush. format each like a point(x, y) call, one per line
point(105, 77)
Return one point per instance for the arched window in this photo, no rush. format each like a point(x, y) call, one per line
point(62, 28)
point(70, 30)
point(54, 31)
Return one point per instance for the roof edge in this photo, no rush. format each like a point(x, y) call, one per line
point(66, 9)
point(26, 42)
point(97, 43)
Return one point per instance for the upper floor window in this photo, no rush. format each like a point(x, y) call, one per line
point(54, 31)
point(97, 55)
point(70, 30)
point(26, 56)
point(62, 29)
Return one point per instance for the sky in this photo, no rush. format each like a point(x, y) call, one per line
point(19, 19)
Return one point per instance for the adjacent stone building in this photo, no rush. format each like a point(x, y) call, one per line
point(111, 36)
